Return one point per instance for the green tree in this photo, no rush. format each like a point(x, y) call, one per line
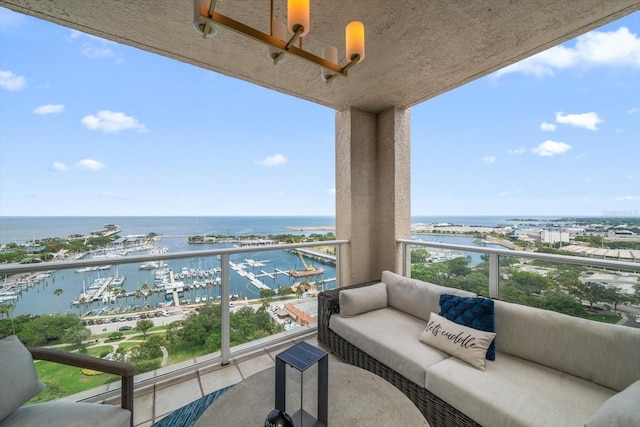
point(77, 335)
point(57, 293)
point(529, 283)
point(419, 255)
point(267, 293)
point(284, 290)
point(6, 309)
point(115, 336)
point(459, 267)
point(150, 349)
point(144, 325)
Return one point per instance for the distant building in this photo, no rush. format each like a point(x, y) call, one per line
point(554, 236)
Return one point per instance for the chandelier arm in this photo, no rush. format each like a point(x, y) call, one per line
point(207, 25)
point(269, 40)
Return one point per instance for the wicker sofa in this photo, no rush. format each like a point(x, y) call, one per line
point(549, 369)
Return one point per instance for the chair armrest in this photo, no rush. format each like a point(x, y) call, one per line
point(123, 370)
point(328, 305)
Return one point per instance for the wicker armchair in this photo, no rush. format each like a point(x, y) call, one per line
point(19, 383)
point(123, 370)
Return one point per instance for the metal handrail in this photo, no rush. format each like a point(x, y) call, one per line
point(224, 254)
point(10, 269)
point(495, 254)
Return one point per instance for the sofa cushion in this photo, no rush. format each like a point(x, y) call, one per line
point(360, 300)
point(68, 414)
point(474, 312)
point(18, 377)
point(606, 354)
point(620, 410)
point(416, 297)
point(465, 343)
point(516, 392)
point(390, 336)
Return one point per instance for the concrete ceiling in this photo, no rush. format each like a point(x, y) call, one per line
point(415, 49)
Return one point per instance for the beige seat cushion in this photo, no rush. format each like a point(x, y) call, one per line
point(68, 414)
point(516, 392)
point(392, 337)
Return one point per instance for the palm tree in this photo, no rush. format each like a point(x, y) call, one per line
point(124, 294)
point(6, 309)
point(57, 293)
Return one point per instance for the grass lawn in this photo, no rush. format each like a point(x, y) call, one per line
point(605, 318)
point(97, 351)
point(62, 380)
point(184, 353)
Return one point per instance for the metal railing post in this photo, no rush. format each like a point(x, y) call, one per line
point(225, 336)
point(339, 265)
point(406, 260)
point(494, 275)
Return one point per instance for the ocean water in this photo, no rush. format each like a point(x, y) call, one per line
point(23, 229)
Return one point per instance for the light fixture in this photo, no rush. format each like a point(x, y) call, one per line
point(205, 16)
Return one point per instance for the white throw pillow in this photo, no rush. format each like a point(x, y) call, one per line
point(620, 410)
point(360, 300)
point(467, 344)
point(18, 376)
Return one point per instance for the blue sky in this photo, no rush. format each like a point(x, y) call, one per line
point(91, 127)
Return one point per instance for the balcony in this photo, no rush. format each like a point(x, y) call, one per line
point(161, 391)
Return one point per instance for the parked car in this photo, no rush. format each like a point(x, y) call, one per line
point(125, 328)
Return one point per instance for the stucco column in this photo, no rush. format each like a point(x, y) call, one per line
point(373, 190)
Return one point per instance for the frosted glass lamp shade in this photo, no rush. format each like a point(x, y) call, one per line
point(279, 32)
point(201, 7)
point(354, 38)
point(330, 53)
point(298, 14)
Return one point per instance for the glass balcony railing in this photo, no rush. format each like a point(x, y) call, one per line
point(164, 311)
point(595, 288)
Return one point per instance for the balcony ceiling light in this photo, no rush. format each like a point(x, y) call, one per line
point(205, 16)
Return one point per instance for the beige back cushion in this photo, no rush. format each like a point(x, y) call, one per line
point(416, 297)
point(605, 354)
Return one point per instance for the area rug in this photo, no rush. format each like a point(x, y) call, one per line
point(189, 414)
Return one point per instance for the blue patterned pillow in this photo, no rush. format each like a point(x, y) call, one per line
point(476, 312)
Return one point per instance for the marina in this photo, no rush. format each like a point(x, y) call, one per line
point(123, 287)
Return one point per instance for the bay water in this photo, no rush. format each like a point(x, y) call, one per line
point(41, 299)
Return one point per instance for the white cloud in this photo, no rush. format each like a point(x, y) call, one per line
point(60, 167)
point(551, 148)
point(89, 164)
point(275, 160)
point(628, 198)
point(489, 159)
point(619, 48)
point(96, 52)
point(10, 81)
point(548, 127)
point(49, 109)
point(517, 151)
point(634, 110)
point(585, 120)
point(111, 121)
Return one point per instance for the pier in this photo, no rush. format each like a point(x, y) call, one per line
point(316, 256)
